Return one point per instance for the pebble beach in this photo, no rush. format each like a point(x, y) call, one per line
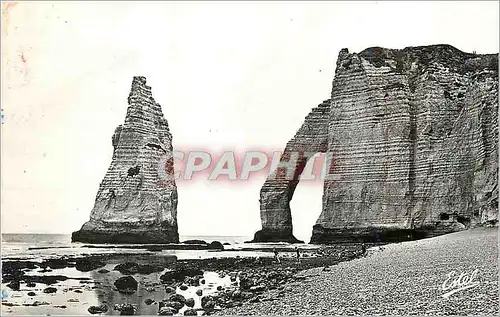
point(397, 279)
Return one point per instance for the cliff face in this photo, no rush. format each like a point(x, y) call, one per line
point(413, 134)
point(135, 203)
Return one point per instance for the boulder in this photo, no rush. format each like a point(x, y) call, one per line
point(128, 268)
point(177, 298)
point(50, 290)
point(194, 241)
point(190, 312)
point(179, 274)
point(190, 302)
point(149, 268)
point(216, 245)
point(88, 264)
point(126, 284)
point(98, 309)
point(14, 285)
point(246, 283)
point(208, 302)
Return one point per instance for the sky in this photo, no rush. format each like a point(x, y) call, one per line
point(229, 75)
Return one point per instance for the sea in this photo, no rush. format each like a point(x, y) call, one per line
point(72, 297)
point(44, 246)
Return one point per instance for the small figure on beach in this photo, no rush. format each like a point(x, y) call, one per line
point(297, 251)
point(363, 249)
point(276, 256)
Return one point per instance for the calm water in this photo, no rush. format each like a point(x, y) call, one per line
point(76, 296)
point(34, 239)
point(40, 246)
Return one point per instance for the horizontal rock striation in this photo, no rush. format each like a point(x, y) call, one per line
point(136, 203)
point(413, 134)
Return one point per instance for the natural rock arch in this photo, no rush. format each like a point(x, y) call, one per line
point(414, 134)
point(278, 189)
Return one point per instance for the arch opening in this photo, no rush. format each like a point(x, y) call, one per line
point(306, 206)
point(279, 188)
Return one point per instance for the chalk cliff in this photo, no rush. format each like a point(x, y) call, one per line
point(413, 134)
point(136, 202)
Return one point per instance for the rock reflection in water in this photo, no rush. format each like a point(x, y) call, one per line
point(150, 288)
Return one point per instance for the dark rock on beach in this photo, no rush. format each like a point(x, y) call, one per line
point(190, 312)
point(45, 279)
point(50, 290)
point(208, 302)
point(194, 241)
point(88, 264)
point(130, 268)
point(177, 298)
point(148, 269)
point(14, 285)
point(98, 309)
point(126, 284)
point(216, 245)
point(190, 302)
point(179, 274)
